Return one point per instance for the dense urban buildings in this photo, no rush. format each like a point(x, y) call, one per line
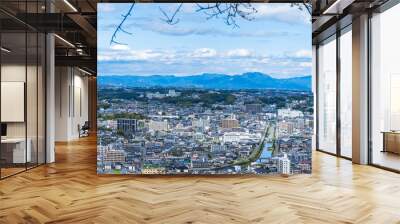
point(204, 131)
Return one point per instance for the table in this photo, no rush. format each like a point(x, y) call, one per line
point(13, 150)
point(391, 141)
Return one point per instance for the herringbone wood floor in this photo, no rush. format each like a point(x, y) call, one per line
point(69, 191)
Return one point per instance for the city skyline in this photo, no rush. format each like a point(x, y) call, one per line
point(199, 131)
point(196, 95)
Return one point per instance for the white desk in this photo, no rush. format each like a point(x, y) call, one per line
point(19, 153)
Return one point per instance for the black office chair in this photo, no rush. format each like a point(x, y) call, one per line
point(84, 130)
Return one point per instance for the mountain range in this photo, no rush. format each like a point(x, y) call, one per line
point(250, 80)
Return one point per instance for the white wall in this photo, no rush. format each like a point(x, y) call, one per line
point(80, 102)
point(71, 103)
point(33, 126)
point(62, 82)
point(12, 73)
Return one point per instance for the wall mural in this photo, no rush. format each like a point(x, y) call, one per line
point(208, 88)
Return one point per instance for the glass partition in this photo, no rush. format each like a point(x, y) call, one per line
point(385, 89)
point(22, 88)
point(13, 114)
point(327, 96)
point(346, 93)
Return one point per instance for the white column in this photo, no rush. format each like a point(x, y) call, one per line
point(50, 98)
point(314, 91)
point(360, 90)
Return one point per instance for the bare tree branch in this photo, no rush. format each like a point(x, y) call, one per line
point(228, 11)
point(119, 27)
point(171, 20)
point(307, 4)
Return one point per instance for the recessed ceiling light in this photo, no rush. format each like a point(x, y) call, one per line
point(64, 40)
point(5, 50)
point(70, 5)
point(84, 71)
point(337, 7)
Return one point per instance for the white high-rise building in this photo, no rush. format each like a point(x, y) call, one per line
point(289, 113)
point(173, 93)
point(158, 125)
point(284, 165)
point(201, 123)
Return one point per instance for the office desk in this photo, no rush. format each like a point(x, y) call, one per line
point(13, 150)
point(391, 141)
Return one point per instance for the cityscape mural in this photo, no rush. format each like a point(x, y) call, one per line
point(208, 88)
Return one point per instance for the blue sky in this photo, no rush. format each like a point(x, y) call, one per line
point(276, 42)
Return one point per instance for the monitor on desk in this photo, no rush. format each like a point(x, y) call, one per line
point(3, 130)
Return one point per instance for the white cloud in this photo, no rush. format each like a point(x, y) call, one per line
point(165, 29)
point(105, 7)
point(145, 54)
point(131, 55)
point(265, 60)
point(283, 13)
point(104, 58)
point(301, 54)
point(120, 47)
point(306, 64)
point(204, 53)
point(186, 62)
point(189, 8)
point(239, 53)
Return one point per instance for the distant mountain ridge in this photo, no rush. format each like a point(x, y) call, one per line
point(249, 80)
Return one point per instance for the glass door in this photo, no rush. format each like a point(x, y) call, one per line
point(13, 103)
point(385, 89)
point(327, 96)
point(22, 77)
